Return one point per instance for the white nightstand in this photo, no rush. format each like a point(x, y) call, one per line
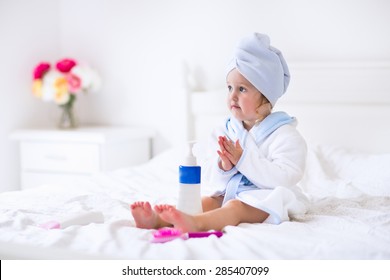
point(52, 156)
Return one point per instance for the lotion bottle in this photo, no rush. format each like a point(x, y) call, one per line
point(190, 201)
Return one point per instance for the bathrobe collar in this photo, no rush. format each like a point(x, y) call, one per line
point(234, 128)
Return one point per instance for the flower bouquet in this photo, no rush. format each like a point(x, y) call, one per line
point(63, 84)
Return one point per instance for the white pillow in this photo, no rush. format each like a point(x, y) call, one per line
point(335, 171)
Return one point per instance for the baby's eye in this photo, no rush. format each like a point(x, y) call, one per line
point(229, 88)
point(242, 89)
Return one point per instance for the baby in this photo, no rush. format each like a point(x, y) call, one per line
point(257, 157)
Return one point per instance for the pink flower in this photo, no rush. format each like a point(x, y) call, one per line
point(74, 82)
point(40, 70)
point(65, 65)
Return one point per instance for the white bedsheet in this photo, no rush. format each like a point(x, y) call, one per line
point(349, 216)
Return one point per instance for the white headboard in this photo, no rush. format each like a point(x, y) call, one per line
point(339, 104)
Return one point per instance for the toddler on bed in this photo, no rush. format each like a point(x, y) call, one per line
point(258, 155)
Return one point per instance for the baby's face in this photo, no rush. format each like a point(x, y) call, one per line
point(244, 100)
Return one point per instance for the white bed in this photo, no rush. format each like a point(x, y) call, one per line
point(343, 111)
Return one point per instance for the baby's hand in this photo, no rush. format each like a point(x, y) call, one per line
point(230, 152)
point(233, 150)
point(225, 163)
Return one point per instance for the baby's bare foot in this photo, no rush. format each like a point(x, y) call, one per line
point(144, 215)
point(178, 219)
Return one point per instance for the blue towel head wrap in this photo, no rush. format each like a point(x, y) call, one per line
point(262, 65)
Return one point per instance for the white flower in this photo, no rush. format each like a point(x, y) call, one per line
point(90, 80)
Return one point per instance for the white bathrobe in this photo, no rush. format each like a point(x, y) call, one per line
point(268, 169)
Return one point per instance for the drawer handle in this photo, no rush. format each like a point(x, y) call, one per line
point(56, 157)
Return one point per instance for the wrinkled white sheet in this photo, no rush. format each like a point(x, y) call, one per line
point(349, 216)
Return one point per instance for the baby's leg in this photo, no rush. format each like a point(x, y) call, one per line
point(211, 202)
point(184, 222)
point(232, 213)
point(145, 217)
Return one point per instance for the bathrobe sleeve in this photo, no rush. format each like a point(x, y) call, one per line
point(278, 161)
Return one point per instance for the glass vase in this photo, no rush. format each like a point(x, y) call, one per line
point(68, 118)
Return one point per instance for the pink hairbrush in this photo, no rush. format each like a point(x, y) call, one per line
point(167, 234)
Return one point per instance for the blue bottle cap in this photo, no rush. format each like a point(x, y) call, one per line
point(189, 174)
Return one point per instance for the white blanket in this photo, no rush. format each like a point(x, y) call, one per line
point(349, 216)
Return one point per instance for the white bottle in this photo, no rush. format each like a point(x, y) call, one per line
point(190, 201)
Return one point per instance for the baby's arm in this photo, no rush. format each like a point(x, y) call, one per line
point(281, 163)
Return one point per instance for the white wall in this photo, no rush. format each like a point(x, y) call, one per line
point(29, 32)
point(138, 46)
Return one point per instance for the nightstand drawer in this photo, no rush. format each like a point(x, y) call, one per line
point(63, 157)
